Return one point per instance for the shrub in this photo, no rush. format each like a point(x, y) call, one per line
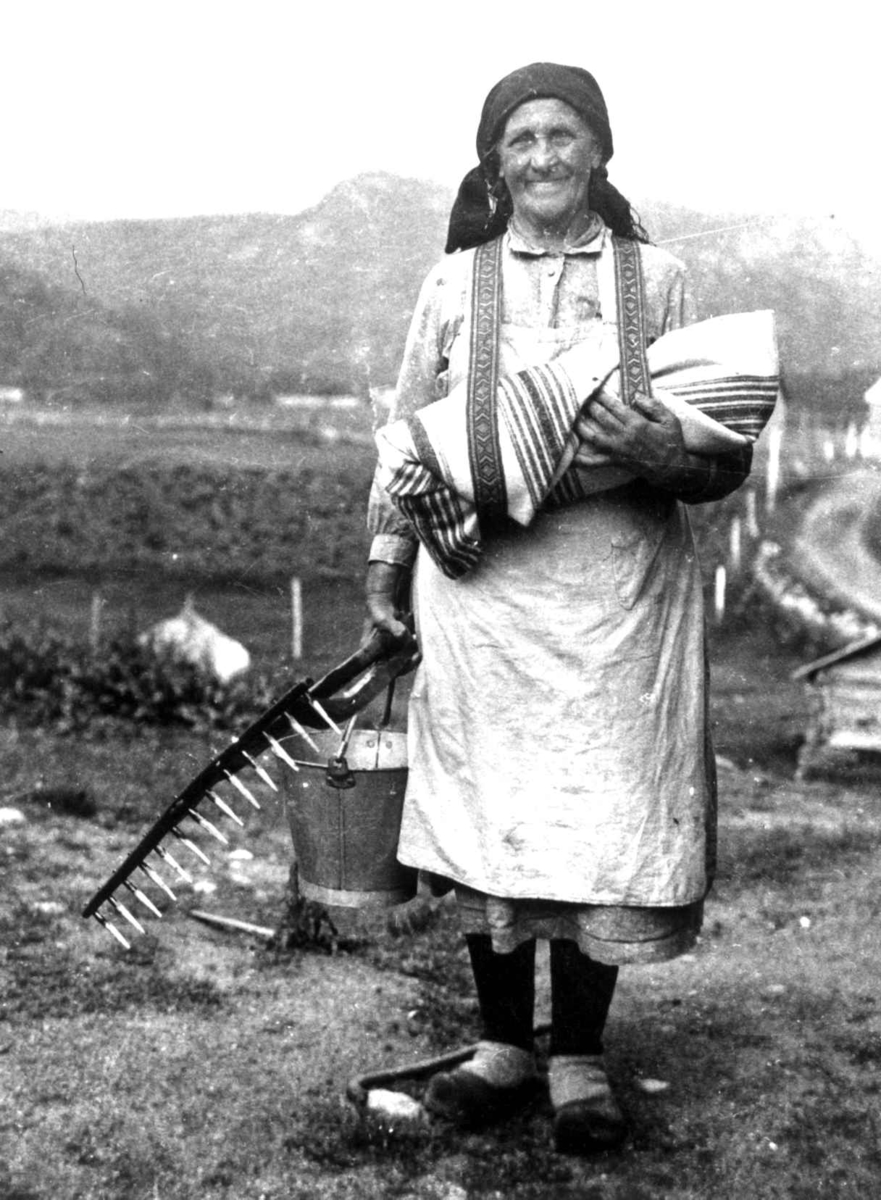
point(49, 680)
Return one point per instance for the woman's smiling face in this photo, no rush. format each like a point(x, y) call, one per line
point(546, 155)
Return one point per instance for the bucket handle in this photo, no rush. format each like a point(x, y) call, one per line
point(338, 774)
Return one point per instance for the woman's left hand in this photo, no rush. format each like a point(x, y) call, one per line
point(646, 439)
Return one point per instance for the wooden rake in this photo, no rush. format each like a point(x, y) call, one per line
point(333, 699)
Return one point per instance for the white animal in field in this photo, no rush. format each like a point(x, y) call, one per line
point(189, 638)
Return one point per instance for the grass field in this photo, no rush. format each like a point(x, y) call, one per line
point(201, 1065)
point(136, 514)
point(204, 1065)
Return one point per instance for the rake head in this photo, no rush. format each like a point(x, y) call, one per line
point(335, 699)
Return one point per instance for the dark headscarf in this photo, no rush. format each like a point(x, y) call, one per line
point(476, 218)
point(544, 81)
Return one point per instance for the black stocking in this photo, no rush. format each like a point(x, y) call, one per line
point(505, 990)
point(581, 994)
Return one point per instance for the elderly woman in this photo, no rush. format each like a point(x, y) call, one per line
point(561, 777)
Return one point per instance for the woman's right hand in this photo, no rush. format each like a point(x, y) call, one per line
point(384, 585)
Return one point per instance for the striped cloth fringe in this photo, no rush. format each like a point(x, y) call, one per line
point(741, 403)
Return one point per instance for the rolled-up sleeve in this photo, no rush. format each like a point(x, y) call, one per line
point(724, 474)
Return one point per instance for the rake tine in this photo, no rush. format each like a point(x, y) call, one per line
point(303, 732)
point(264, 775)
point(111, 928)
point(225, 808)
point(128, 916)
point(158, 880)
point(327, 720)
point(212, 829)
point(145, 900)
point(172, 862)
point(279, 751)
point(237, 783)
point(192, 846)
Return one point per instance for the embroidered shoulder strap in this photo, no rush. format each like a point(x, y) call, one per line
point(483, 376)
point(483, 369)
point(630, 298)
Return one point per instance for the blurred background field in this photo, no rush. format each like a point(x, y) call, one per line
point(139, 515)
point(109, 522)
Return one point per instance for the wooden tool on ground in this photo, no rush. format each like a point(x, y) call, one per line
point(333, 699)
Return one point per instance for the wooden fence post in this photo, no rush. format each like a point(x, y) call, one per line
point(719, 598)
point(772, 479)
point(752, 524)
point(296, 618)
point(95, 615)
point(734, 543)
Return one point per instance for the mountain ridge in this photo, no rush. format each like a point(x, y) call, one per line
point(319, 301)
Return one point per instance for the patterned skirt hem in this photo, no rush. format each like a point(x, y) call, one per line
point(611, 934)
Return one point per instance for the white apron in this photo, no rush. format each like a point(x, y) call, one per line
point(557, 721)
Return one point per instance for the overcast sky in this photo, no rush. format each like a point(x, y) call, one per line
point(156, 109)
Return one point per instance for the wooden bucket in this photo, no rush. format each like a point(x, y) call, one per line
point(345, 816)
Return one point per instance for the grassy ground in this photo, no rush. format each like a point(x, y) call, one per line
point(243, 504)
point(200, 1064)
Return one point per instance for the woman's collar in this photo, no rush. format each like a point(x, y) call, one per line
point(589, 241)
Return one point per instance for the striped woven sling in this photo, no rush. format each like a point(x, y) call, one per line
point(499, 448)
point(483, 374)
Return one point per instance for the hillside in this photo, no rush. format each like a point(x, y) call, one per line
point(19, 222)
point(66, 347)
point(825, 289)
point(259, 304)
point(271, 303)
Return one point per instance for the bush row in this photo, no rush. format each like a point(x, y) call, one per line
point(49, 680)
point(202, 519)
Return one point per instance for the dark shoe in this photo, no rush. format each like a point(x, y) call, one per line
point(589, 1126)
point(471, 1103)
